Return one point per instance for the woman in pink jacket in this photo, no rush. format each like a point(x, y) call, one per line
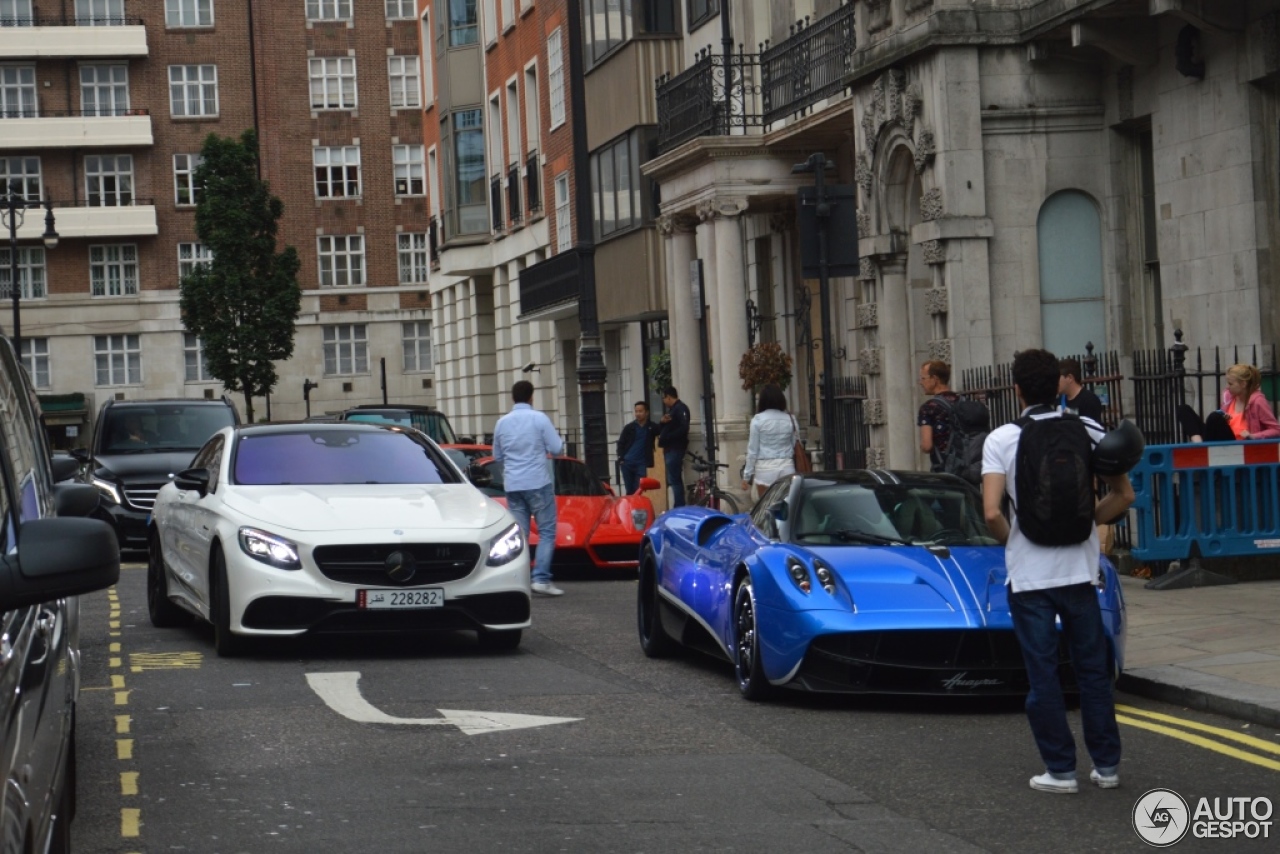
point(1245, 412)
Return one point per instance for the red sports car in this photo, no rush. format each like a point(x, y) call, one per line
point(595, 528)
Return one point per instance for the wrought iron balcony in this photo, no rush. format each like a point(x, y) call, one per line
point(495, 205)
point(433, 242)
point(533, 183)
point(709, 98)
point(551, 282)
point(513, 194)
point(812, 64)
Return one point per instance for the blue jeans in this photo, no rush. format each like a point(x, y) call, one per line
point(675, 475)
point(1033, 622)
point(539, 503)
point(631, 474)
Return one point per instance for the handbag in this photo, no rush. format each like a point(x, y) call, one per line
point(802, 462)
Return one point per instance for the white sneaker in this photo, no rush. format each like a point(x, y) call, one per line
point(546, 588)
point(1105, 781)
point(1046, 782)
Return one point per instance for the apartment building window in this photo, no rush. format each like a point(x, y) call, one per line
point(21, 175)
point(428, 77)
point(400, 10)
point(468, 187)
point(193, 90)
point(615, 185)
point(117, 359)
point(337, 171)
point(606, 24)
point(108, 180)
point(192, 255)
point(564, 226)
point(508, 14)
point(328, 10)
point(513, 123)
point(417, 345)
point(532, 127)
point(659, 16)
point(406, 161)
point(35, 358)
point(188, 13)
point(346, 349)
point(31, 272)
point(406, 87)
point(462, 23)
point(99, 13)
point(104, 90)
point(412, 250)
point(18, 91)
point(113, 270)
point(699, 11)
point(341, 260)
point(184, 178)
point(16, 13)
point(555, 74)
point(333, 83)
point(193, 354)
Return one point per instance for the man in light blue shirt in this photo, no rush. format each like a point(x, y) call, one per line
point(522, 440)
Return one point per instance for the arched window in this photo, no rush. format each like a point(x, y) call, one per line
point(1069, 233)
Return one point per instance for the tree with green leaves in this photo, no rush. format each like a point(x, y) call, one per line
point(244, 302)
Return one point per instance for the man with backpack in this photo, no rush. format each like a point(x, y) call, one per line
point(952, 428)
point(1044, 463)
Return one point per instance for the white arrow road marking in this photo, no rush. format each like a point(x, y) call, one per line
point(341, 692)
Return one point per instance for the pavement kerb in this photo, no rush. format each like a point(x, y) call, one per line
point(1180, 686)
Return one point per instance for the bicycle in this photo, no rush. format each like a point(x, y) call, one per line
point(704, 492)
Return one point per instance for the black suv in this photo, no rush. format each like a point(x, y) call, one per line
point(428, 419)
point(45, 563)
point(138, 446)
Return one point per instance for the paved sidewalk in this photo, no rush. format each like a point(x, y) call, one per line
point(1212, 648)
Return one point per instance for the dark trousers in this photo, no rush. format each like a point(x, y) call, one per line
point(1033, 622)
point(675, 475)
point(1214, 428)
point(631, 474)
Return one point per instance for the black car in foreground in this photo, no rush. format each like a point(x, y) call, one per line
point(45, 564)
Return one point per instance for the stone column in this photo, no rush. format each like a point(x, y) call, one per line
point(729, 314)
point(681, 249)
point(900, 395)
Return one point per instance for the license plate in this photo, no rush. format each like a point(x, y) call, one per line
point(396, 600)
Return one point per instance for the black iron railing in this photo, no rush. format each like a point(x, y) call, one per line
point(80, 21)
point(813, 63)
point(551, 282)
point(850, 435)
point(993, 386)
point(91, 112)
point(709, 98)
point(533, 183)
point(495, 204)
point(513, 194)
point(433, 242)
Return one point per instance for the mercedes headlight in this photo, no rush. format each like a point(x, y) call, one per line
point(109, 490)
point(506, 547)
point(270, 549)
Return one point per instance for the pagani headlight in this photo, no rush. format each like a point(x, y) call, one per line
point(826, 576)
point(799, 575)
point(270, 549)
point(506, 547)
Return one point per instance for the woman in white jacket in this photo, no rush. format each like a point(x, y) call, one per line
point(772, 442)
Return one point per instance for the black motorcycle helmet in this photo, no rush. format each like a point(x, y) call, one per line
point(1119, 450)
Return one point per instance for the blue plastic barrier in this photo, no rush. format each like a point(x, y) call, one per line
point(1223, 498)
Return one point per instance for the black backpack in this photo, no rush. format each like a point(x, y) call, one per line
point(970, 424)
point(1054, 481)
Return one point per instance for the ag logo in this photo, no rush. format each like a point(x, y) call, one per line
point(1161, 817)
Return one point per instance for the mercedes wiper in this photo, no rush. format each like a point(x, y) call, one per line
point(852, 536)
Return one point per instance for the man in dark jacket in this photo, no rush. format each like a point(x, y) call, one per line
point(635, 448)
point(674, 440)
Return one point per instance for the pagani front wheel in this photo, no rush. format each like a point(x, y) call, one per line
point(654, 639)
point(747, 666)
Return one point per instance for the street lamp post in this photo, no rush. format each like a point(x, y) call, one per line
point(15, 205)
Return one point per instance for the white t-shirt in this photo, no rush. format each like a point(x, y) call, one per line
point(1033, 566)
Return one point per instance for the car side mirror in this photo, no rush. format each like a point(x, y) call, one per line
point(193, 479)
point(81, 455)
point(779, 511)
point(56, 558)
point(479, 476)
point(649, 484)
point(64, 467)
point(75, 499)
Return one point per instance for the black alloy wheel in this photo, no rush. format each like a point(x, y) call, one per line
point(746, 645)
point(225, 643)
point(163, 612)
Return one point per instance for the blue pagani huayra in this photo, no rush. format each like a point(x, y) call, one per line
point(879, 582)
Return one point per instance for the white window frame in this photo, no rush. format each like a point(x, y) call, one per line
point(25, 171)
point(508, 14)
point(489, 24)
point(99, 13)
point(407, 166)
point(184, 179)
point(18, 92)
point(532, 109)
point(413, 255)
point(404, 80)
point(188, 14)
point(192, 255)
point(514, 135)
point(113, 270)
point(35, 358)
point(337, 172)
point(333, 79)
point(340, 256)
point(329, 10)
point(117, 360)
point(564, 217)
point(401, 10)
point(194, 368)
point(494, 137)
point(433, 179)
point(416, 343)
point(555, 78)
point(32, 272)
point(428, 72)
point(346, 349)
point(193, 91)
point(106, 81)
point(16, 13)
point(108, 180)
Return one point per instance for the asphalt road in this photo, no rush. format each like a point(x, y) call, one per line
point(182, 751)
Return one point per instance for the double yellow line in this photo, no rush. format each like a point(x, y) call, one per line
point(1157, 722)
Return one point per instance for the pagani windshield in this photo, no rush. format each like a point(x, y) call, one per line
point(927, 513)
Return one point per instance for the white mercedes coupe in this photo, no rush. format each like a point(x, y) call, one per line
point(283, 529)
